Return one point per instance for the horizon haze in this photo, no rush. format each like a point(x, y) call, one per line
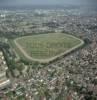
point(47, 2)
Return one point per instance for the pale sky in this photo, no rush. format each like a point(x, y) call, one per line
point(47, 2)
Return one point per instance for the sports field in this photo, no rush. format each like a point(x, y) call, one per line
point(46, 47)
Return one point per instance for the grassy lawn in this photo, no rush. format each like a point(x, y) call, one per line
point(45, 46)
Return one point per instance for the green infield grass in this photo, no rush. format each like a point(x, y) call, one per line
point(46, 47)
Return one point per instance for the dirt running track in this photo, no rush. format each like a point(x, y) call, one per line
point(50, 59)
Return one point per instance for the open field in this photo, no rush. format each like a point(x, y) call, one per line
point(46, 47)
